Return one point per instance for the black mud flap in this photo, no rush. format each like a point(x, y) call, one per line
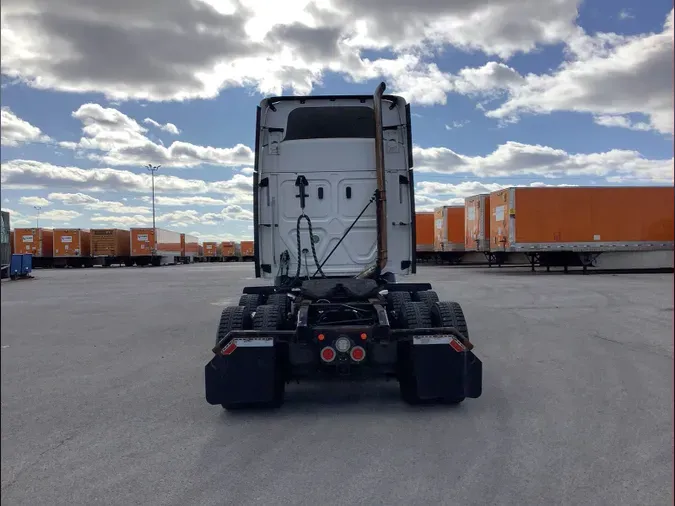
point(444, 371)
point(244, 376)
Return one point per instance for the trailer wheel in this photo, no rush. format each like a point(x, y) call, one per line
point(396, 301)
point(449, 314)
point(270, 317)
point(413, 315)
point(429, 297)
point(250, 301)
point(232, 318)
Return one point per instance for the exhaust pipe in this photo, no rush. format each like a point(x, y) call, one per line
point(381, 201)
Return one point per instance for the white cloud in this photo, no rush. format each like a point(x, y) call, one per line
point(121, 221)
point(196, 200)
point(167, 127)
point(60, 215)
point(23, 174)
point(34, 201)
point(16, 131)
point(620, 121)
point(609, 75)
point(117, 139)
point(91, 203)
point(514, 158)
point(194, 49)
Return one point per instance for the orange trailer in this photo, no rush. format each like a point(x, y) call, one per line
point(211, 249)
point(582, 219)
point(110, 242)
point(424, 231)
point(449, 228)
point(477, 223)
point(230, 249)
point(72, 242)
point(247, 250)
point(189, 246)
point(37, 241)
point(166, 248)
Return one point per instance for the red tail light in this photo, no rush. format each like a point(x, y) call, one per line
point(357, 354)
point(328, 354)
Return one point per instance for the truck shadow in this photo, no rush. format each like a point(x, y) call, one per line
point(344, 398)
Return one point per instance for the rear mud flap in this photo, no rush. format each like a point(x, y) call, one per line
point(247, 376)
point(442, 372)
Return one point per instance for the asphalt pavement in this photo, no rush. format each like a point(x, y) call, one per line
point(103, 399)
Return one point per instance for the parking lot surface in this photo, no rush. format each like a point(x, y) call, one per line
point(103, 399)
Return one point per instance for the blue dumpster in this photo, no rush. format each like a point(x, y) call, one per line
point(26, 264)
point(15, 266)
point(20, 266)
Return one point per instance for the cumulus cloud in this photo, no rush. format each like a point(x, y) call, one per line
point(514, 158)
point(197, 200)
point(113, 138)
point(609, 74)
point(194, 49)
point(16, 131)
point(23, 174)
point(34, 201)
point(166, 127)
point(59, 215)
point(91, 203)
point(431, 194)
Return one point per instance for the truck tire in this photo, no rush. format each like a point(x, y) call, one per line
point(232, 318)
point(396, 300)
point(413, 315)
point(282, 300)
point(429, 297)
point(250, 301)
point(270, 317)
point(449, 314)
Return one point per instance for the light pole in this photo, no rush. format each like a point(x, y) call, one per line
point(37, 219)
point(153, 169)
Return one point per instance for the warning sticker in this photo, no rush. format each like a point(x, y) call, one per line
point(27, 238)
point(142, 237)
point(66, 238)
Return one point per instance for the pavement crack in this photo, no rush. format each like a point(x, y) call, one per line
point(647, 348)
point(6, 486)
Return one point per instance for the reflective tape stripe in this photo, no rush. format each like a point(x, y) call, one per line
point(432, 339)
point(254, 342)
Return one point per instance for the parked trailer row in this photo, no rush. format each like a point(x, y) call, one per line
point(107, 246)
point(556, 226)
point(227, 251)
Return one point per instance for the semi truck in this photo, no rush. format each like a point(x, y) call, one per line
point(334, 236)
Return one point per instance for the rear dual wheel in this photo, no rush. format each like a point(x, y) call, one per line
point(422, 314)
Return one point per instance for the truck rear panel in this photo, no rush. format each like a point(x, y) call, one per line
point(330, 142)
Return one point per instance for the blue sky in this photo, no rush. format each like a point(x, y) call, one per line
point(505, 92)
